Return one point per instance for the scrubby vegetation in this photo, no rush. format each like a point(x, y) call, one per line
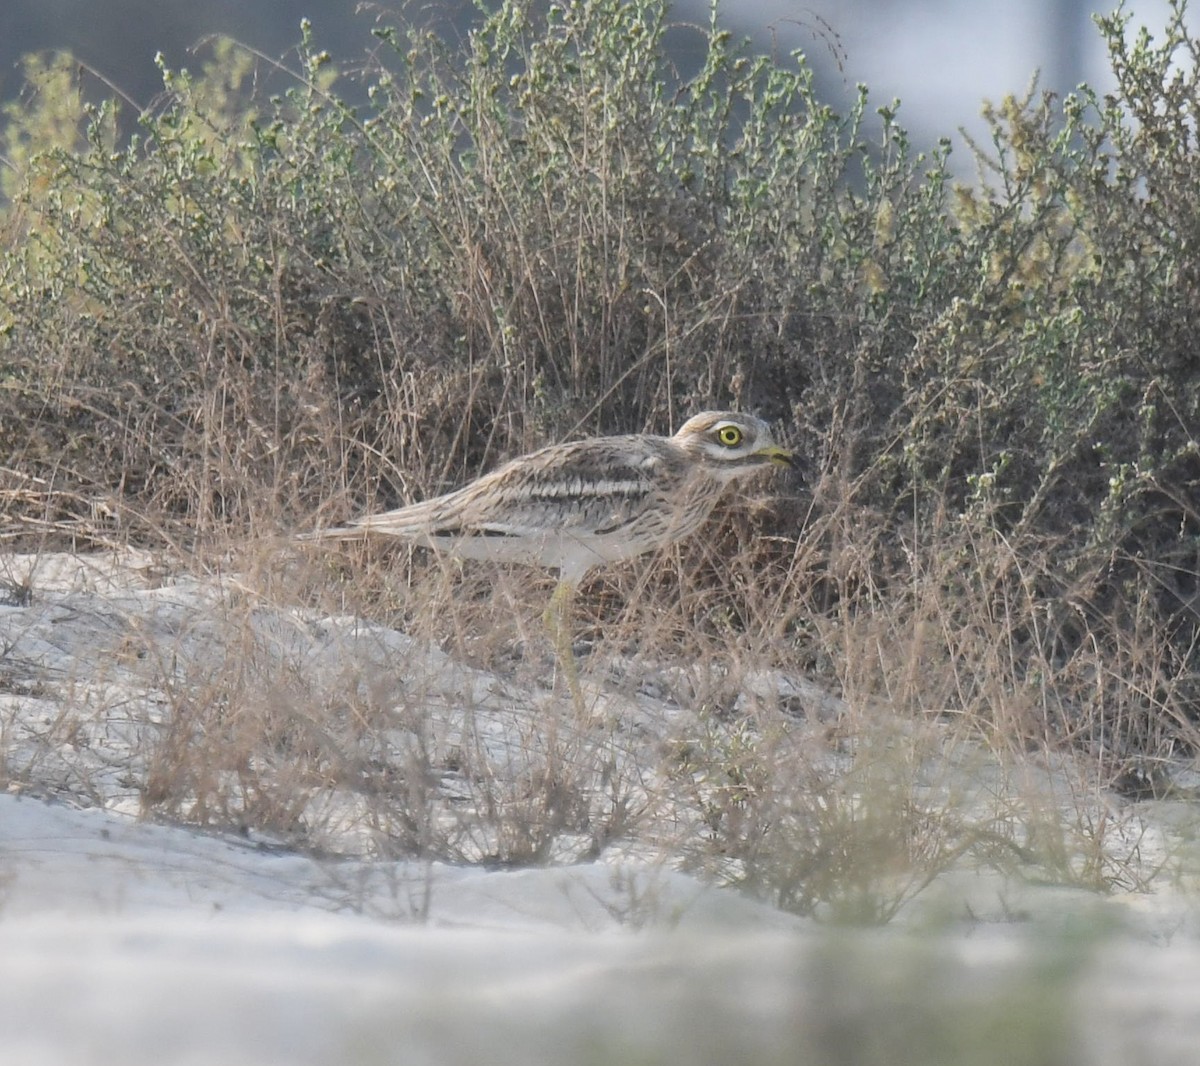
point(260, 310)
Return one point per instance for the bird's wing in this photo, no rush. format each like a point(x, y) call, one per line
point(594, 484)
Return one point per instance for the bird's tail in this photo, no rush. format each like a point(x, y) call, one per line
point(412, 523)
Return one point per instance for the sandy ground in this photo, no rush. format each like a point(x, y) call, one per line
point(128, 942)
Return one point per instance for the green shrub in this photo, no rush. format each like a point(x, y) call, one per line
point(261, 309)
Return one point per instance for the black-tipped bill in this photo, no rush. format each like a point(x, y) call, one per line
point(775, 455)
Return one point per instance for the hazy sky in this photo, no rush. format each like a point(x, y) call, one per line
point(941, 57)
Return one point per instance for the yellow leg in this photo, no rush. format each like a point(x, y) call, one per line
point(558, 623)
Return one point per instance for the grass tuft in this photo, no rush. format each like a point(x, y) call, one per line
point(263, 313)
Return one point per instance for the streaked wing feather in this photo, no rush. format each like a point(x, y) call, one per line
point(527, 496)
point(608, 484)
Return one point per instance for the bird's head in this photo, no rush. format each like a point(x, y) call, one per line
point(730, 445)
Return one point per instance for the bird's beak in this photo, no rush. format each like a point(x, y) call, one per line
point(777, 455)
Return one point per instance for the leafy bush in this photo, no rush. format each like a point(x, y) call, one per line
point(259, 309)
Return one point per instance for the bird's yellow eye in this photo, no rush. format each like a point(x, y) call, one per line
point(730, 436)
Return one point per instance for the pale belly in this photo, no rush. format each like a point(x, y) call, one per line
point(574, 550)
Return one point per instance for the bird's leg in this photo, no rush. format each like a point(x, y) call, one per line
point(558, 624)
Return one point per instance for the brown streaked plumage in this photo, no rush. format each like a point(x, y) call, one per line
point(571, 507)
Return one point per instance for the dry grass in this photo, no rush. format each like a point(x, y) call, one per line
point(269, 316)
point(438, 729)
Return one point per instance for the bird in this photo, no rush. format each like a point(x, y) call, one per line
point(574, 506)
